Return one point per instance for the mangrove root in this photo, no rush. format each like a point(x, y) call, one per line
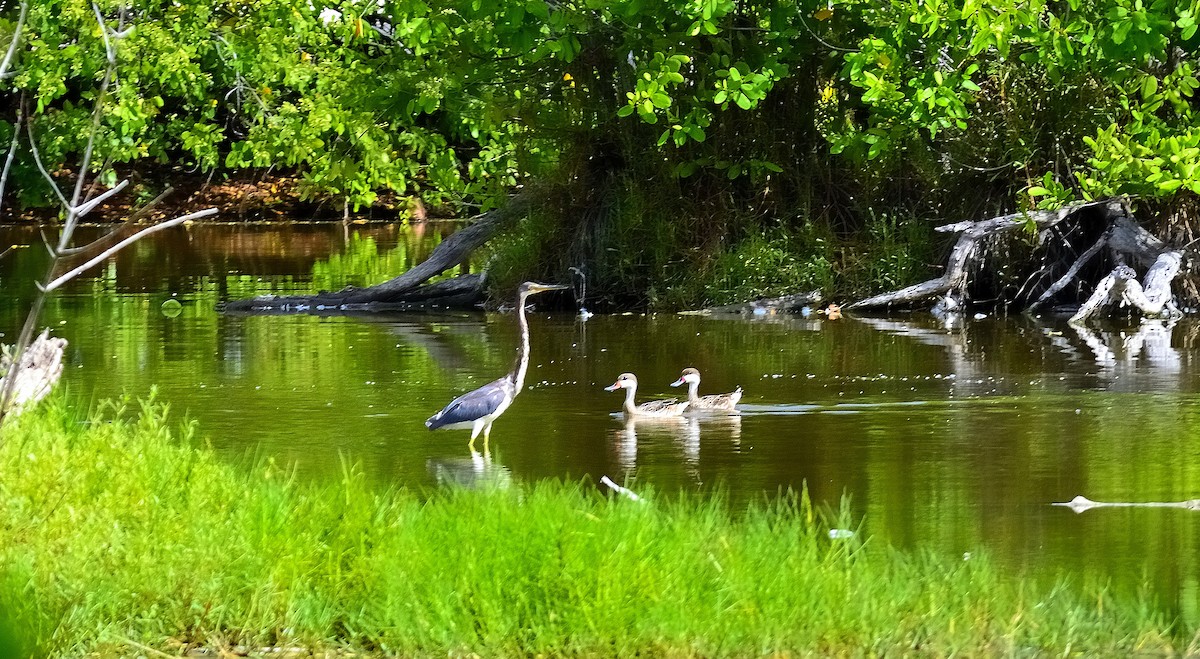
point(406, 292)
point(39, 370)
point(1124, 243)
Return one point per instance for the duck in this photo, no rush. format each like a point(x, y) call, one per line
point(714, 402)
point(656, 408)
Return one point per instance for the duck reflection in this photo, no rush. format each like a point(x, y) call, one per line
point(683, 432)
point(479, 472)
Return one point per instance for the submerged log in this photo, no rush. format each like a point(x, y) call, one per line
point(1082, 504)
point(1125, 243)
point(461, 292)
point(764, 306)
point(38, 371)
point(406, 292)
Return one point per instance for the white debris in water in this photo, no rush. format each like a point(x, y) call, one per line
point(840, 534)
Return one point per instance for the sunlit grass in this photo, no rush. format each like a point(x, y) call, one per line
point(115, 533)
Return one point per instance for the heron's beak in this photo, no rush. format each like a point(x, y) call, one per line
point(677, 382)
point(614, 387)
point(541, 288)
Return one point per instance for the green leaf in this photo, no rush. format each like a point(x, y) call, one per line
point(1149, 86)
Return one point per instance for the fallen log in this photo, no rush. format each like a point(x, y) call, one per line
point(406, 292)
point(38, 370)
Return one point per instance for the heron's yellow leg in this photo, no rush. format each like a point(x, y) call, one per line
point(487, 431)
point(475, 433)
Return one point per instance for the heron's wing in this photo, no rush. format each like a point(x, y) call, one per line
point(472, 405)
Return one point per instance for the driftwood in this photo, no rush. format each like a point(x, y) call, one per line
point(406, 291)
point(39, 370)
point(1122, 240)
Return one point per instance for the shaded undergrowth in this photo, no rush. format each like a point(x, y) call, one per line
point(116, 533)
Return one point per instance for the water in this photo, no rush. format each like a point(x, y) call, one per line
point(956, 437)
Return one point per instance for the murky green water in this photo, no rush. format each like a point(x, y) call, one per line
point(960, 437)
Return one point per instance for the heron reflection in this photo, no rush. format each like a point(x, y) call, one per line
point(479, 472)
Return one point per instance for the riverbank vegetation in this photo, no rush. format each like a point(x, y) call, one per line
point(183, 550)
point(666, 139)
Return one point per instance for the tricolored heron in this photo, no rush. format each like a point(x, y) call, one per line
point(726, 402)
point(655, 408)
point(478, 409)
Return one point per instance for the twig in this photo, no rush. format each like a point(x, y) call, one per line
point(146, 648)
point(620, 490)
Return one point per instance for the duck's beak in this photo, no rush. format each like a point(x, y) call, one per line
point(677, 382)
point(614, 387)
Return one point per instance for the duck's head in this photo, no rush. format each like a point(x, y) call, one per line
point(689, 376)
point(624, 381)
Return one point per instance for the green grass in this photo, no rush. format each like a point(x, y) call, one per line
point(116, 533)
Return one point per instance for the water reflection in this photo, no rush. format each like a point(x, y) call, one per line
point(682, 433)
point(474, 473)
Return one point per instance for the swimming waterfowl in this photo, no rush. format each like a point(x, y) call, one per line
point(655, 408)
point(716, 402)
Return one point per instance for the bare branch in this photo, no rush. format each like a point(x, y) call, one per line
point(97, 113)
point(12, 147)
point(111, 238)
point(37, 159)
point(91, 204)
point(125, 243)
point(12, 47)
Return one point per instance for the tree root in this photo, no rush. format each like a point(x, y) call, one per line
point(1123, 241)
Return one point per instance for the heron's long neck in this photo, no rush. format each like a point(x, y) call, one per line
point(518, 374)
point(692, 388)
point(629, 393)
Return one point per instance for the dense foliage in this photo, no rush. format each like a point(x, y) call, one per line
point(665, 134)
